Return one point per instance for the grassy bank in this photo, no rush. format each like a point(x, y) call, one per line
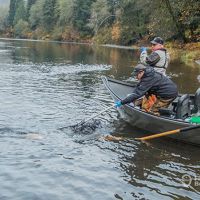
point(187, 53)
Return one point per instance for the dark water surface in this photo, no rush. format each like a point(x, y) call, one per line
point(47, 86)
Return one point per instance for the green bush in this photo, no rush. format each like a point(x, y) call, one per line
point(21, 29)
point(104, 36)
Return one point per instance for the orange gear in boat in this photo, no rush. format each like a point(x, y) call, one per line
point(147, 103)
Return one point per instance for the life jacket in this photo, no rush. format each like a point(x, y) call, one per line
point(164, 58)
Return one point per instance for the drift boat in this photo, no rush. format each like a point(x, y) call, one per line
point(177, 116)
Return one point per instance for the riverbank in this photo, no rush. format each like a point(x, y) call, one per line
point(188, 53)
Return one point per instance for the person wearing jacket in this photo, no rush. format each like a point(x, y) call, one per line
point(156, 88)
point(159, 58)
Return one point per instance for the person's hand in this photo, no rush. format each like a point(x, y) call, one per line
point(143, 49)
point(118, 104)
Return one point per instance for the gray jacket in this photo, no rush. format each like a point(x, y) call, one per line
point(158, 59)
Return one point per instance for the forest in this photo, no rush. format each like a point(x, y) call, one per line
point(121, 22)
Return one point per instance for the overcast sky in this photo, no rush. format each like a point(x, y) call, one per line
point(4, 2)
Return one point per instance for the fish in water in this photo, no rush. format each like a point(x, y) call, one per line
point(34, 136)
point(113, 138)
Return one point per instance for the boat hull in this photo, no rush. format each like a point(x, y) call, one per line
point(146, 121)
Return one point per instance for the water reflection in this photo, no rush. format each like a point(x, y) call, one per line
point(155, 170)
point(185, 76)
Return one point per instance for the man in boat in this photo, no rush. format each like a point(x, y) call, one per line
point(156, 90)
point(159, 58)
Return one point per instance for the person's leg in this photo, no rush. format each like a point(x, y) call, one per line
point(160, 103)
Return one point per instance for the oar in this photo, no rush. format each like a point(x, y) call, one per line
point(94, 116)
point(168, 133)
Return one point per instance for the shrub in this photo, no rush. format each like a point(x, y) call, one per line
point(21, 29)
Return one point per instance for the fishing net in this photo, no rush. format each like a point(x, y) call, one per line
point(86, 128)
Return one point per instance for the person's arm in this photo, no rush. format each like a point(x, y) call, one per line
point(143, 55)
point(152, 59)
point(139, 91)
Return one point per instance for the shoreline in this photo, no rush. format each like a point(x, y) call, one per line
point(47, 41)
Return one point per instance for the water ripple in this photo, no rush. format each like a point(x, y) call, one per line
point(41, 92)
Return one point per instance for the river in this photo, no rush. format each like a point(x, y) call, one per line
point(46, 86)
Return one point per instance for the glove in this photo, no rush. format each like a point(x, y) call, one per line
point(143, 49)
point(118, 104)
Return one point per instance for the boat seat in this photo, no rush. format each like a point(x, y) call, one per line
point(175, 101)
point(196, 108)
point(182, 109)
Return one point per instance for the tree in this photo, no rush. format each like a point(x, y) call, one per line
point(21, 28)
point(179, 26)
point(36, 14)
point(99, 14)
point(12, 9)
point(20, 12)
point(49, 15)
point(3, 18)
point(65, 9)
point(81, 16)
point(188, 16)
point(134, 20)
point(30, 3)
point(113, 5)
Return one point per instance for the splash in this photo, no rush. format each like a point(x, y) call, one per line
point(78, 68)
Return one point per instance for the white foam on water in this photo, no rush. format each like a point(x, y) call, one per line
point(79, 68)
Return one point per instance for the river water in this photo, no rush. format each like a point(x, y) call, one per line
point(46, 87)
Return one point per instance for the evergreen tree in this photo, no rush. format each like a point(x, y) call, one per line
point(36, 14)
point(99, 14)
point(3, 18)
point(20, 12)
point(29, 5)
point(12, 9)
point(82, 12)
point(113, 5)
point(49, 15)
point(134, 20)
point(128, 19)
point(65, 9)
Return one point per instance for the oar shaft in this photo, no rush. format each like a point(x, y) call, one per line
point(159, 135)
point(96, 115)
point(168, 133)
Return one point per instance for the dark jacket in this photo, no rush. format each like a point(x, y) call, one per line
point(155, 83)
